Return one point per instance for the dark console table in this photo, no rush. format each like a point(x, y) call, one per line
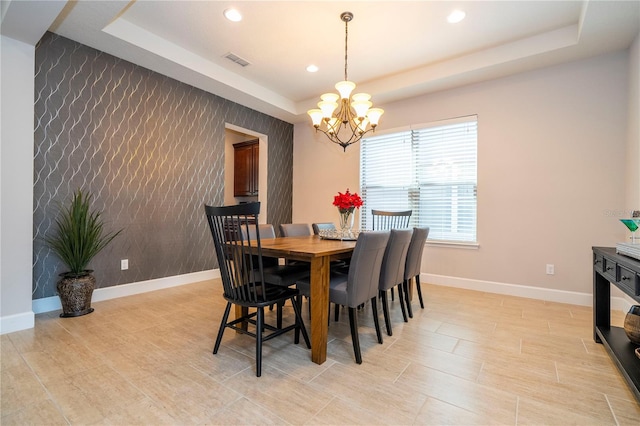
point(624, 273)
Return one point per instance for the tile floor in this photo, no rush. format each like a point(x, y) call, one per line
point(469, 358)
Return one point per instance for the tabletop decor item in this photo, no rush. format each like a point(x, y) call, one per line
point(346, 204)
point(632, 324)
point(79, 237)
point(631, 249)
point(632, 224)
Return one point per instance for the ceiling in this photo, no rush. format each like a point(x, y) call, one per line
point(397, 49)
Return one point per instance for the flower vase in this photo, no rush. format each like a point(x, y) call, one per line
point(346, 221)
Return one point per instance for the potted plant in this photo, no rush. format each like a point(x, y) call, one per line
point(79, 237)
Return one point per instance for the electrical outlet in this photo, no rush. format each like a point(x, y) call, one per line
point(550, 269)
point(124, 264)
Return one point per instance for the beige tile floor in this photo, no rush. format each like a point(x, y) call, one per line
point(469, 358)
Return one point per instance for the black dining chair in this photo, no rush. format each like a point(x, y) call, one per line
point(242, 273)
point(383, 220)
point(392, 271)
point(360, 284)
point(413, 263)
point(284, 275)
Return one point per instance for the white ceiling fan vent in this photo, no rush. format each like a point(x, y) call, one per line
point(237, 59)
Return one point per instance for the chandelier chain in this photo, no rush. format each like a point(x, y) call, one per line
point(346, 38)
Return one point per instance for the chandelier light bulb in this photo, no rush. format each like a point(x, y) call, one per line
point(316, 116)
point(374, 115)
point(327, 108)
point(330, 97)
point(361, 108)
point(361, 97)
point(345, 88)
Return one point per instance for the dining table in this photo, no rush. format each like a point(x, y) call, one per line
point(319, 252)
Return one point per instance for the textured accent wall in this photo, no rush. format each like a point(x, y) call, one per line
point(150, 149)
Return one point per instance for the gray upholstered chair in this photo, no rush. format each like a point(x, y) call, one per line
point(384, 219)
point(360, 284)
point(294, 229)
point(243, 280)
point(412, 266)
point(392, 271)
point(326, 226)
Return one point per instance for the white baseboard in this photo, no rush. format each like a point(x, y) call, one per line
point(26, 320)
point(548, 294)
point(48, 304)
point(17, 322)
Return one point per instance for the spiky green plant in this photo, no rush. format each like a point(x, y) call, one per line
point(80, 234)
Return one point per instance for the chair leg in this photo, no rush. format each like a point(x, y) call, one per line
point(259, 325)
point(279, 314)
point(353, 323)
point(401, 300)
point(406, 297)
point(393, 296)
point(223, 325)
point(298, 303)
point(336, 313)
point(385, 311)
point(299, 323)
point(376, 320)
point(419, 291)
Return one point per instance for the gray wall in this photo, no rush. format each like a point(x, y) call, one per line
point(150, 149)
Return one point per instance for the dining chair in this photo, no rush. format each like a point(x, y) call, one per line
point(413, 263)
point(385, 219)
point(326, 226)
point(382, 219)
point(294, 229)
point(284, 275)
point(243, 280)
point(392, 271)
point(360, 284)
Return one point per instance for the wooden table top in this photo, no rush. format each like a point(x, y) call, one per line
point(305, 247)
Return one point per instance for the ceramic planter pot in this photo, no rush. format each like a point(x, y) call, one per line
point(632, 324)
point(75, 294)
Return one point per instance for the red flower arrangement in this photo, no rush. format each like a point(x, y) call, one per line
point(347, 202)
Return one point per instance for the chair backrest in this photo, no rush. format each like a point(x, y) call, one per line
point(381, 219)
point(326, 226)
point(414, 254)
point(395, 256)
point(266, 231)
point(364, 268)
point(294, 229)
point(242, 278)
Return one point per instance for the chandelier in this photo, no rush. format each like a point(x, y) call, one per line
point(354, 116)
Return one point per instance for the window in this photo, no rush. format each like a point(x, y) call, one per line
point(430, 169)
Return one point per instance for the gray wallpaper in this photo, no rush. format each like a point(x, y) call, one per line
point(150, 149)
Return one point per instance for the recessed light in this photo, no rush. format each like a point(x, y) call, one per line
point(233, 15)
point(456, 16)
point(312, 68)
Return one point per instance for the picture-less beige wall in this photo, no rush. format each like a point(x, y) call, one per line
point(551, 171)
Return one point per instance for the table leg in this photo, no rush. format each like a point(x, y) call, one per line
point(240, 312)
point(319, 308)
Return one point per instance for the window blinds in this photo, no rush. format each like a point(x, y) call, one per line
point(432, 170)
